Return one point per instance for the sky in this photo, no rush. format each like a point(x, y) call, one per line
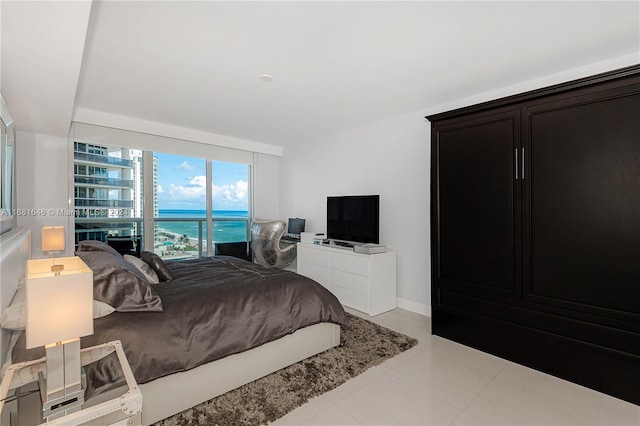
point(182, 184)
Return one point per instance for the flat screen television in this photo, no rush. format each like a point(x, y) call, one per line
point(354, 218)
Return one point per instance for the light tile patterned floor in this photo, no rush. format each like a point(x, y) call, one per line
point(440, 382)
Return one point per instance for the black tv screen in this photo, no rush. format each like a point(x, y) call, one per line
point(295, 226)
point(354, 218)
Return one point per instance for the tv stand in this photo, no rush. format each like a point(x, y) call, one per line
point(366, 282)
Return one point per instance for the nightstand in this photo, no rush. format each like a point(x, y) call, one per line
point(120, 405)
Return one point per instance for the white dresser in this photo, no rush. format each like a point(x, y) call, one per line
point(366, 282)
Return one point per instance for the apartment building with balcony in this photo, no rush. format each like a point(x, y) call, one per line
point(108, 192)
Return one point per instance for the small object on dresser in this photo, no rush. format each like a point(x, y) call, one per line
point(369, 248)
point(319, 239)
point(310, 237)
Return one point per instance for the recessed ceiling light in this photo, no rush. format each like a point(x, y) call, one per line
point(266, 78)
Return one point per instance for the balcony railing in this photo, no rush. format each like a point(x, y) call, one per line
point(102, 159)
point(107, 224)
point(92, 202)
point(225, 229)
point(103, 181)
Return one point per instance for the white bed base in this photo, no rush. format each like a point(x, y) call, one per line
point(15, 250)
point(172, 394)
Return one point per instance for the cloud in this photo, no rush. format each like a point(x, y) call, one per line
point(193, 194)
point(231, 195)
point(186, 166)
point(194, 191)
point(198, 181)
point(159, 189)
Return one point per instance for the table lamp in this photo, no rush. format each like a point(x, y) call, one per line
point(59, 310)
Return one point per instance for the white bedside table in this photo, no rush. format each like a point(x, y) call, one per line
point(120, 406)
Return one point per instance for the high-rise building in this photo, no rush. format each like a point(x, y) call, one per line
point(137, 194)
point(155, 196)
point(107, 187)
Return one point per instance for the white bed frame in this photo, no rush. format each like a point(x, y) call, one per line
point(15, 250)
point(172, 394)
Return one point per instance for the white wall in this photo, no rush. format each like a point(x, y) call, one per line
point(390, 158)
point(266, 186)
point(42, 175)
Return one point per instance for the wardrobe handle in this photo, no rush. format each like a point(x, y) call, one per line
point(516, 157)
point(522, 162)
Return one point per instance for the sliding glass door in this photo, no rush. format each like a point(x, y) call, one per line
point(189, 195)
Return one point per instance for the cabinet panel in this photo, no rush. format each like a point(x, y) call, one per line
point(574, 309)
point(477, 235)
point(584, 193)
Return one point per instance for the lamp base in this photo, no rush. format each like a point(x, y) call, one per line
point(56, 269)
point(61, 391)
point(55, 408)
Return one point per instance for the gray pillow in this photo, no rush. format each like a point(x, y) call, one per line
point(94, 245)
point(150, 275)
point(158, 265)
point(120, 284)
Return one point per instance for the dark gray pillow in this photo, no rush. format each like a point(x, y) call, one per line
point(93, 245)
point(158, 265)
point(120, 284)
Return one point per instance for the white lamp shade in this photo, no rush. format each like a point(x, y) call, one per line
point(59, 307)
point(53, 238)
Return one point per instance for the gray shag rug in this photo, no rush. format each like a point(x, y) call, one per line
point(363, 344)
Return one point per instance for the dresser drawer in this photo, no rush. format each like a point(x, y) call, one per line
point(348, 263)
point(363, 282)
point(315, 272)
point(313, 256)
point(353, 282)
point(351, 298)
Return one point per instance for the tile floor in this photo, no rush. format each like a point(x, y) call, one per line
point(439, 382)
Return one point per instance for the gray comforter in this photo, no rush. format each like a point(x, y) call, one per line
point(213, 308)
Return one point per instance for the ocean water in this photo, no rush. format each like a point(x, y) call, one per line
point(223, 232)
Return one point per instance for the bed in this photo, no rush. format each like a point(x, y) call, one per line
point(235, 320)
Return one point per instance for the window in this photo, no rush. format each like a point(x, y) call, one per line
point(107, 190)
point(182, 195)
point(99, 150)
point(230, 201)
point(181, 213)
point(110, 199)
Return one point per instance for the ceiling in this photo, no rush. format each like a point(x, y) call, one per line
point(335, 65)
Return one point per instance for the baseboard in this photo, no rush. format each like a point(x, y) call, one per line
point(411, 306)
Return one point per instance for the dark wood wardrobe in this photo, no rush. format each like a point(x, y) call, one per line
point(535, 229)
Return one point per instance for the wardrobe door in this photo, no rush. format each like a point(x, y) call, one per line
point(475, 201)
point(582, 188)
